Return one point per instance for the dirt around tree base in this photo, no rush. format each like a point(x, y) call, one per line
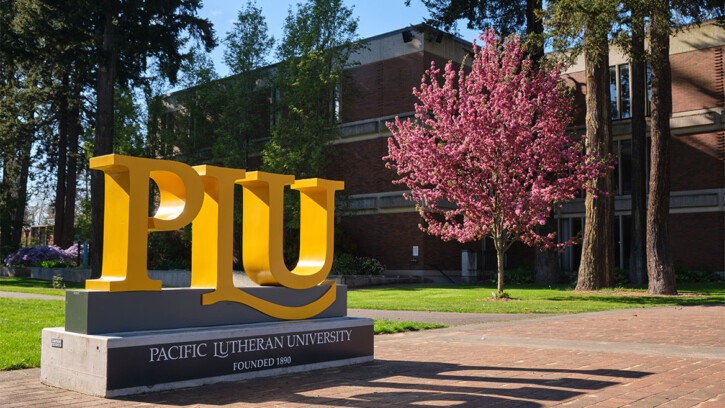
point(497, 299)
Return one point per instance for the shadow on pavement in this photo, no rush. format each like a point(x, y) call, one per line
point(401, 383)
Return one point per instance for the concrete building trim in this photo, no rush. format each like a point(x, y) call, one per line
point(691, 201)
point(681, 202)
point(691, 38)
point(693, 121)
point(378, 203)
point(367, 129)
point(391, 202)
point(391, 45)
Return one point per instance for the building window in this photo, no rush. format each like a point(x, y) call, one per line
point(573, 226)
point(571, 256)
point(622, 174)
point(337, 112)
point(274, 107)
point(620, 91)
point(624, 105)
point(648, 74)
point(613, 92)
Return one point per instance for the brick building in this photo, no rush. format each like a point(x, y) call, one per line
point(697, 204)
point(378, 222)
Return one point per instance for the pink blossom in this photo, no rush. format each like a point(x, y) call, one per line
point(493, 142)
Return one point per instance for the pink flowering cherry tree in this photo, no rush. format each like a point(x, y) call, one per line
point(487, 154)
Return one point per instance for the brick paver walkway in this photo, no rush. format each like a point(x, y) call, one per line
point(668, 357)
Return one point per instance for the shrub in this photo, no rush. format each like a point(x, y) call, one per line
point(54, 264)
point(518, 276)
point(170, 249)
point(347, 264)
point(58, 282)
point(621, 276)
point(170, 264)
point(685, 275)
point(36, 255)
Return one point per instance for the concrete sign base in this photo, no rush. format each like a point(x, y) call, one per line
point(97, 312)
point(116, 364)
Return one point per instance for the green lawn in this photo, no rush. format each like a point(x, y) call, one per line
point(21, 323)
point(532, 299)
point(40, 287)
point(387, 326)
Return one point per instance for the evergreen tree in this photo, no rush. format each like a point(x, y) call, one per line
point(247, 91)
point(660, 269)
point(128, 34)
point(319, 40)
point(505, 16)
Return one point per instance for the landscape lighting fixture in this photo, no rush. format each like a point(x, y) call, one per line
point(407, 36)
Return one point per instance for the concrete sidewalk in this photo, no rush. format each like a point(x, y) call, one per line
point(666, 356)
point(23, 295)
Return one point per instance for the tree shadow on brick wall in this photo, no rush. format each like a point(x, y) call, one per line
point(404, 383)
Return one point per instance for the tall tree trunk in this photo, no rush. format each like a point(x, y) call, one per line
point(61, 172)
point(659, 255)
point(16, 166)
point(103, 138)
point(637, 258)
point(6, 206)
point(534, 29)
point(22, 188)
point(597, 261)
point(71, 175)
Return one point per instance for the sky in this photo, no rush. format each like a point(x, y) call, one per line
point(374, 17)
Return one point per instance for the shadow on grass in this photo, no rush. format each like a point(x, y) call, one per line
point(643, 300)
point(404, 383)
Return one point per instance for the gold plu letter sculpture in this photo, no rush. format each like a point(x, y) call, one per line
point(205, 195)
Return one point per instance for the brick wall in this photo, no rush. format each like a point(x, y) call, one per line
point(697, 161)
point(387, 237)
point(391, 237)
point(698, 240)
point(695, 80)
point(385, 88)
point(381, 88)
point(360, 165)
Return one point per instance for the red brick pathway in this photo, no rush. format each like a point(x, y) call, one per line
point(664, 357)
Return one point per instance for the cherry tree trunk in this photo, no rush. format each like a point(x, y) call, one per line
point(499, 258)
point(659, 255)
point(596, 269)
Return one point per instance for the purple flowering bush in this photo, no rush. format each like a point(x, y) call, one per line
point(36, 256)
point(73, 251)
